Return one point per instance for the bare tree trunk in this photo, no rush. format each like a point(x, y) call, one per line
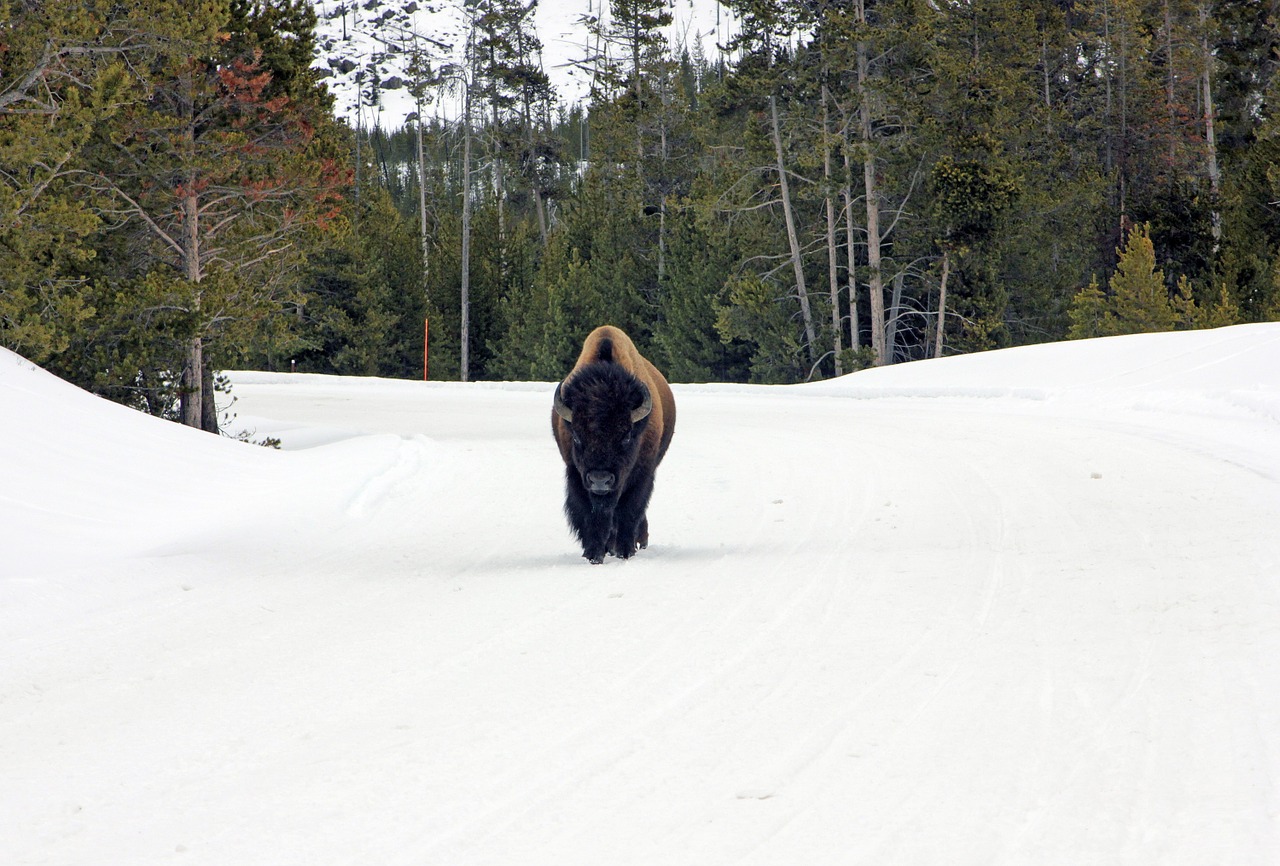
point(464, 348)
point(192, 401)
point(1109, 151)
point(793, 238)
point(662, 207)
point(425, 236)
point(942, 303)
point(542, 215)
point(208, 403)
point(833, 275)
point(1170, 82)
point(359, 114)
point(498, 179)
point(895, 317)
point(1211, 140)
point(855, 338)
point(1124, 124)
point(875, 280)
point(539, 206)
point(535, 178)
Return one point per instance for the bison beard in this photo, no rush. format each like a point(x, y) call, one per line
point(613, 418)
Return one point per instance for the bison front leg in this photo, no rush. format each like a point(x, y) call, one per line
point(633, 526)
point(591, 518)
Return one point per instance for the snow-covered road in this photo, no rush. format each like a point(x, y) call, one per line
point(1011, 608)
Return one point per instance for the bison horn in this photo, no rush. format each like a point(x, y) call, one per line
point(645, 408)
point(561, 409)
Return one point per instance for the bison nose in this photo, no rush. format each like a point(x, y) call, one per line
point(600, 482)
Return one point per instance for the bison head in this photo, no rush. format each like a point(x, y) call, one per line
point(605, 410)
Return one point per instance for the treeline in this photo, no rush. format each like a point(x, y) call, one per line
point(848, 183)
point(865, 183)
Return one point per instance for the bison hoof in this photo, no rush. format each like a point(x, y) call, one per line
point(625, 550)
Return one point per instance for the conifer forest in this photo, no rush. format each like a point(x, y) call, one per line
point(844, 183)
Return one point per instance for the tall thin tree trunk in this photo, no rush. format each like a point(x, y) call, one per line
point(942, 303)
point(464, 348)
point(793, 238)
point(895, 318)
point(855, 336)
point(541, 210)
point(1124, 124)
point(424, 234)
point(1210, 138)
point(539, 206)
point(662, 203)
point(359, 114)
point(833, 270)
point(208, 403)
point(1109, 150)
point(531, 131)
point(498, 182)
point(1170, 83)
point(662, 241)
point(192, 401)
point(875, 279)
point(192, 404)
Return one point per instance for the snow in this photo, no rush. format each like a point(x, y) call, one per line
point(1009, 608)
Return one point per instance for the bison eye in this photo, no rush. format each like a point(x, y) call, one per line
point(627, 440)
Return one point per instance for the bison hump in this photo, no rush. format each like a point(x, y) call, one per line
point(604, 351)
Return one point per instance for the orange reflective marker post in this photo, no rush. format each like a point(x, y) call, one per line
point(426, 346)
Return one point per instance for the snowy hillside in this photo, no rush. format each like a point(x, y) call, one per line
point(366, 40)
point(1012, 608)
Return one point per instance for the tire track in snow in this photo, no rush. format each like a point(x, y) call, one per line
point(760, 611)
point(404, 463)
point(951, 648)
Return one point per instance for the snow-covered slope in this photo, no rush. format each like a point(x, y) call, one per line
point(1012, 608)
point(372, 40)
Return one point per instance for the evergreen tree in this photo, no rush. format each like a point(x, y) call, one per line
point(365, 304)
point(1139, 296)
point(1091, 315)
point(629, 37)
point(60, 75)
point(211, 176)
point(687, 346)
point(1138, 300)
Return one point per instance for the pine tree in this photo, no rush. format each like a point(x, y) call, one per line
point(1090, 315)
point(686, 345)
point(1138, 300)
point(1139, 295)
point(365, 304)
point(60, 75)
point(630, 35)
point(213, 177)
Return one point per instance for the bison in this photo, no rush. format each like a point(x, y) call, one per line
point(613, 417)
